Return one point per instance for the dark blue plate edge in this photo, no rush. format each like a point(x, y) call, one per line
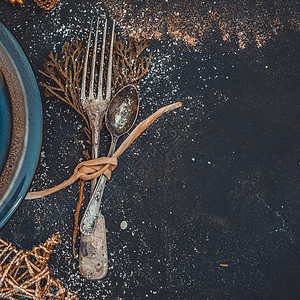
point(34, 117)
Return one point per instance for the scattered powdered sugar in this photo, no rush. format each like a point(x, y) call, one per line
point(181, 69)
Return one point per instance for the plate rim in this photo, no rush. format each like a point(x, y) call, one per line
point(26, 166)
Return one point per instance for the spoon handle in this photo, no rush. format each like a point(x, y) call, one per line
point(88, 222)
point(87, 225)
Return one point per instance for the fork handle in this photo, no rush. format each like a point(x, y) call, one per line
point(95, 145)
point(93, 256)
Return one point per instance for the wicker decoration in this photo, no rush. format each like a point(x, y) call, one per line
point(46, 4)
point(15, 2)
point(26, 274)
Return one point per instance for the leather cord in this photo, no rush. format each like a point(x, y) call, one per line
point(91, 169)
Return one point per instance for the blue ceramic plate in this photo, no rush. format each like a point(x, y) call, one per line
point(20, 124)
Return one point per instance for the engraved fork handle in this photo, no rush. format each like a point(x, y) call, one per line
point(88, 222)
point(93, 255)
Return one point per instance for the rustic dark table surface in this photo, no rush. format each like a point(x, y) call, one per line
point(216, 182)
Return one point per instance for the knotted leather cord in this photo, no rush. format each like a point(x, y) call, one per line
point(91, 169)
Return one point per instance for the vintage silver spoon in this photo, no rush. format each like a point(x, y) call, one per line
point(120, 117)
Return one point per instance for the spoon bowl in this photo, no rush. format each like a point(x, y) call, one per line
point(122, 111)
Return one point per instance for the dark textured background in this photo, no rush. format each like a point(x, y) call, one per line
point(216, 182)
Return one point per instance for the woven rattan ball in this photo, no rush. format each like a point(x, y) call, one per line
point(46, 4)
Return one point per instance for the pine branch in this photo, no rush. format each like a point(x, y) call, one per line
point(64, 72)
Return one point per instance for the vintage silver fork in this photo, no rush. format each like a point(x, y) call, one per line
point(96, 106)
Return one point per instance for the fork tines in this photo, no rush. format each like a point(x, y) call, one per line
point(99, 93)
